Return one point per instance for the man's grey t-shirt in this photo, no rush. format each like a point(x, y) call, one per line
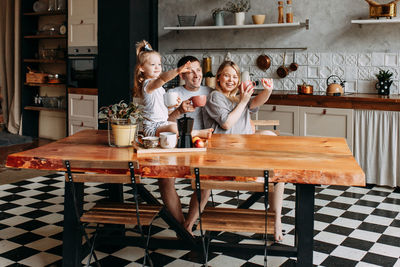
point(216, 111)
point(197, 114)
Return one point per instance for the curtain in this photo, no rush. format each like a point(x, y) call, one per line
point(376, 145)
point(10, 76)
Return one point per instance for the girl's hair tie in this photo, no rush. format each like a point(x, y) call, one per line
point(147, 48)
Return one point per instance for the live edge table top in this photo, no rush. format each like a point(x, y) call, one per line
point(305, 160)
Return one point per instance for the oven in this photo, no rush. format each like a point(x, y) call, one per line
point(82, 69)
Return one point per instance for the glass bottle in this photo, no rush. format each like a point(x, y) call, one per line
point(280, 12)
point(289, 11)
point(60, 5)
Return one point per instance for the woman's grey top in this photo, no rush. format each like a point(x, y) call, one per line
point(216, 111)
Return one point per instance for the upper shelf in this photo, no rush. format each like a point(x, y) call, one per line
point(46, 13)
point(249, 26)
point(375, 21)
point(43, 36)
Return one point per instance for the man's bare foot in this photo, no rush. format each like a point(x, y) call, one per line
point(205, 133)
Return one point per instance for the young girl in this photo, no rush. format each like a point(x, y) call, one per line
point(229, 113)
point(148, 84)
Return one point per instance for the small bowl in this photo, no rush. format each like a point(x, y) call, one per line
point(258, 19)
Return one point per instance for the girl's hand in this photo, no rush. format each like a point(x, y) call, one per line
point(185, 68)
point(246, 90)
point(268, 84)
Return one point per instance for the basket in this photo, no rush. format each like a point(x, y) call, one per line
point(36, 77)
point(187, 20)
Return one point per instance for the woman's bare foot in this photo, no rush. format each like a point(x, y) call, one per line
point(205, 133)
point(278, 231)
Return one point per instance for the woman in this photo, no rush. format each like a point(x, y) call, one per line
point(229, 113)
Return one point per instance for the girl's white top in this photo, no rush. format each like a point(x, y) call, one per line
point(154, 107)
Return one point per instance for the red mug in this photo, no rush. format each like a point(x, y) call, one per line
point(199, 100)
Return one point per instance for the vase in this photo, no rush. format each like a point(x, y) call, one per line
point(383, 87)
point(121, 132)
point(219, 19)
point(239, 18)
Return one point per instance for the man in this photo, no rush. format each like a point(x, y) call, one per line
point(191, 88)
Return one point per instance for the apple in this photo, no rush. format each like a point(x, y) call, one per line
point(199, 143)
point(194, 139)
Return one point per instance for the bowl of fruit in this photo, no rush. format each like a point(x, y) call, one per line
point(199, 142)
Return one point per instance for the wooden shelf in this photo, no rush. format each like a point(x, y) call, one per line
point(40, 36)
point(29, 60)
point(249, 26)
point(35, 108)
point(375, 21)
point(46, 13)
point(46, 84)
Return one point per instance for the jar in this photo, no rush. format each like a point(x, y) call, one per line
point(280, 12)
point(289, 11)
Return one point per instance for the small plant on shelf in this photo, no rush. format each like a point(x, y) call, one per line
point(122, 112)
point(237, 6)
point(384, 81)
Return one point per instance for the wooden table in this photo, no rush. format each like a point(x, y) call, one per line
point(304, 161)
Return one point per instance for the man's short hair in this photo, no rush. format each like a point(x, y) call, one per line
point(185, 59)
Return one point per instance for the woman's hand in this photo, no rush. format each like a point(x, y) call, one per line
point(268, 84)
point(185, 68)
point(246, 90)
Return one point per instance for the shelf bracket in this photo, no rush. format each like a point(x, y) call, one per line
point(306, 24)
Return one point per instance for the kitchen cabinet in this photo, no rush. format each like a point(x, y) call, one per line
point(288, 117)
point(332, 122)
point(43, 49)
point(310, 121)
point(82, 23)
point(82, 112)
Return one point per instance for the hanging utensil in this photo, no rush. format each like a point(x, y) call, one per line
point(263, 62)
point(294, 66)
point(282, 71)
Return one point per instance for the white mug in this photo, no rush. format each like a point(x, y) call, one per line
point(168, 139)
point(245, 76)
point(171, 99)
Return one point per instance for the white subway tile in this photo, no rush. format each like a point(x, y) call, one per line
point(378, 59)
point(365, 86)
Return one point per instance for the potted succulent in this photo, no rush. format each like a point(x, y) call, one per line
point(239, 8)
point(210, 79)
point(218, 16)
point(123, 119)
point(384, 81)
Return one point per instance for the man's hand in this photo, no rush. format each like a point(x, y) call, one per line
point(186, 106)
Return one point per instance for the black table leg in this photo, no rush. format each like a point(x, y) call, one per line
point(304, 236)
point(72, 236)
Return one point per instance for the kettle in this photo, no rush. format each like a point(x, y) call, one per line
point(335, 86)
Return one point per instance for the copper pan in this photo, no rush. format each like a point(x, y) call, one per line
point(263, 62)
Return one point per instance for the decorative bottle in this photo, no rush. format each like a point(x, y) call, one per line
point(280, 12)
point(289, 12)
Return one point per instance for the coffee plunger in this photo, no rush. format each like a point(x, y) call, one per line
point(185, 126)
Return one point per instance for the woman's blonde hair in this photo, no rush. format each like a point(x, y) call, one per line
point(232, 95)
point(143, 50)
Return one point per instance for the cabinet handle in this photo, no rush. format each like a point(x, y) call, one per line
point(82, 124)
point(81, 97)
point(274, 108)
point(81, 21)
point(324, 111)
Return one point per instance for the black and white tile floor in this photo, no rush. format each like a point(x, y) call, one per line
point(353, 227)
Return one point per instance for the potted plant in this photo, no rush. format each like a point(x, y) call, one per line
point(218, 16)
point(239, 8)
point(123, 119)
point(384, 81)
point(210, 79)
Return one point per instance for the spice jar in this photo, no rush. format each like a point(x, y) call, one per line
point(289, 11)
point(280, 12)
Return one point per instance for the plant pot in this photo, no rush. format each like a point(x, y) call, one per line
point(122, 132)
point(239, 18)
point(383, 87)
point(219, 19)
point(211, 82)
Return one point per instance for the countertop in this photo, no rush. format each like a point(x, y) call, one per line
point(349, 100)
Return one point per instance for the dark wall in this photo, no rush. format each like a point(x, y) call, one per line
point(121, 24)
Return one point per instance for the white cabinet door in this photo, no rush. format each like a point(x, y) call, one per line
point(79, 125)
point(82, 23)
point(330, 122)
point(288, 117)
point(82, 108)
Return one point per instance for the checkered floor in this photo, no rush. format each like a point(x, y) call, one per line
point(353, 227)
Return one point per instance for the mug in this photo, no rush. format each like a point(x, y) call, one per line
point(168, 139)
point(148, 141)
point(199, 100)
point(171, 99)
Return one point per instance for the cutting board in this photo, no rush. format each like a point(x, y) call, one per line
point(141, 150)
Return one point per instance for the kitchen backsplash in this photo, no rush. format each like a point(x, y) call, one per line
point(357, 69)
